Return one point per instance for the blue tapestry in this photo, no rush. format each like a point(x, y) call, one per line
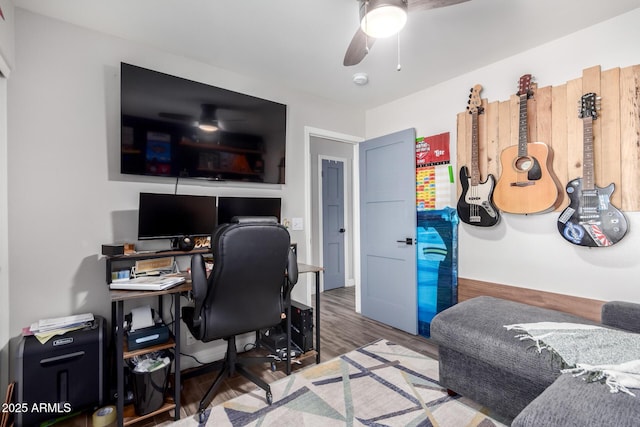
point(437, 264)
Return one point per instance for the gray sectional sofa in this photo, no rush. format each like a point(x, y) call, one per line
point(482, 360)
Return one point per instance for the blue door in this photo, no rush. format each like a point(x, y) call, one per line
point(387, 230)
point(333, 223)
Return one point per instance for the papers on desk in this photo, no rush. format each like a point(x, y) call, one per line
point(148, 283)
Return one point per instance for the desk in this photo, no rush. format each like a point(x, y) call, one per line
point(117, 312)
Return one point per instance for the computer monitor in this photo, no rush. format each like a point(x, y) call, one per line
point(173, 216)
point(228, 207)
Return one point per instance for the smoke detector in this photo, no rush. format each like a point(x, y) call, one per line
point(361, 79)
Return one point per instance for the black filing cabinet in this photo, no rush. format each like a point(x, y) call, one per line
point(61, 376)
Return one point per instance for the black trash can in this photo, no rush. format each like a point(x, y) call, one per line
point(149, 387)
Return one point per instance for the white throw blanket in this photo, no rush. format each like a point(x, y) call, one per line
point(603, 354)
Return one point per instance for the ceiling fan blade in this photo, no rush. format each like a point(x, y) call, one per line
point(415, 5)
point(357, 49)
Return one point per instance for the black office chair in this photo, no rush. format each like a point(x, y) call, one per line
point(248, 289)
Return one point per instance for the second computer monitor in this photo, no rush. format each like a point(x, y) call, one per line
point(228, 207)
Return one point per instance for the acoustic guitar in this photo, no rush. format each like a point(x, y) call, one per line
point(475, 206)
point(527, 184)
point(590, 219)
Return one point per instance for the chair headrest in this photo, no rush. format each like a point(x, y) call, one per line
point(254, 219)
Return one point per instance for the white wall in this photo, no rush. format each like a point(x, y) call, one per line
point(4, 241)
point(65, 192)
point(7, 46)
point(6, 62)
point(527, 251)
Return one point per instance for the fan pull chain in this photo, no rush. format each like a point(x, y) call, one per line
point(366, 25)
point(399, 67)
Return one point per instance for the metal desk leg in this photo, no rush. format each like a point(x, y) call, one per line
point(176, 375)
point(317, 317)
point(120, 361)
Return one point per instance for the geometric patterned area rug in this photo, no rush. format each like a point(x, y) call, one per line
point(380, 384)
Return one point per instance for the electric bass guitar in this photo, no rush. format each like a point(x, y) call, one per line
point(527, 184)
point(590, 219)
point(475, 206)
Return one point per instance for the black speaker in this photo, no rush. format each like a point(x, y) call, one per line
point(186, 243)
point(112, 250)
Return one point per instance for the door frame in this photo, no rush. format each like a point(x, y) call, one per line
point(310, 249)
point(346, 217)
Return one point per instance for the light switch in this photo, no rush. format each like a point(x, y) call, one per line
point(296, 224)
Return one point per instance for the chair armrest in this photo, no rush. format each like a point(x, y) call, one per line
point(292, 275)
point(622, 315)
point(199, 285)
point(292, 267)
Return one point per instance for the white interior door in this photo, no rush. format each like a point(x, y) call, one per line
point(387, 230)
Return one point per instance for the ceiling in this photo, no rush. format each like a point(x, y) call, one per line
point(301, 43)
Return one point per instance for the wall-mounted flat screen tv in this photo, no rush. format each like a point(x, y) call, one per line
point(172, 216)
point(175, 127)
point(228, 207)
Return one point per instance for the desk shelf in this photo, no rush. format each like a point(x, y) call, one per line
point(130, 259)
point(127, 354)
point(130, 417)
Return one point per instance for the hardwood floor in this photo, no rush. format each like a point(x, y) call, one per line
point(342, 330)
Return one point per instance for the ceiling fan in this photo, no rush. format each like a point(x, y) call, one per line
point(207, 121)
point(383, 18)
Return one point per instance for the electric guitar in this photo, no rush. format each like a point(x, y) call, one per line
point(527, 184)
point(590, 219)
point(475, 206)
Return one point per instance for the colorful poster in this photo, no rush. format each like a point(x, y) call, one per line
point(434, 175)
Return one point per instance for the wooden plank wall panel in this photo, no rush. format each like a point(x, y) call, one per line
point(607, 165)
point(558, 132)
point(504, 123)
point(553, 119)
point(584, 307)
point(629, 134)
point(493, 136)
point(544, 122)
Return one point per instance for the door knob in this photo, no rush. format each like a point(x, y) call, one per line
point(407, 241)
point(342, 230)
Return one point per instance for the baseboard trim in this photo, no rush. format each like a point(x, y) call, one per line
point(583, 307)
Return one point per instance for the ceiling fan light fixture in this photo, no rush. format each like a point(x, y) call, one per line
point(207, 127)
point(208, 122)
point(383, 18)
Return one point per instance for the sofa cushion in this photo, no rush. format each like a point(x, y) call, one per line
point(622, 315)
point(573, 402)
point(476, 328)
